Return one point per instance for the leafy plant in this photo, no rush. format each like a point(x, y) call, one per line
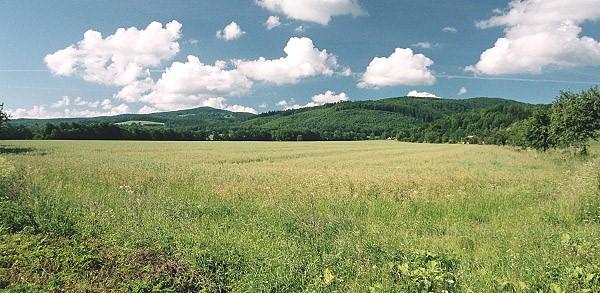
point(575, 118)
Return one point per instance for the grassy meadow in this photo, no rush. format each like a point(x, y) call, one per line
point(374, 216)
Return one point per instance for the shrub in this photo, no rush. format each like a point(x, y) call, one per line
point(575, 118)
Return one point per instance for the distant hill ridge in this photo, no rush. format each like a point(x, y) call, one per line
point(475, 120)
point(385, 113)
point(368, 113)
point(181, 118)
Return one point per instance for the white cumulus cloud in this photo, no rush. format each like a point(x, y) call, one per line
point(463, 90)
point(118, 59)
point(37, 111)
point(319, 11)
point(302, 60)
point(272, 22)
point(403, 67)
point(193, 83)
point(540, 35)
point(240, 108)
point(421, 94)
point(147, 110)
point(231, 32)
point(316, 100)
point(124, 59)
point(330, 97)
point(66, 107)
point(134, 91)
point(291, 104)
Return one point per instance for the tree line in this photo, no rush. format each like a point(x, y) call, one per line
point(488, 125)
point(572, 120)
point(111, 131)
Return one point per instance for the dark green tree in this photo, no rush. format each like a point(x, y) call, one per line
point(537, 130)
point(3, 115)
point(575, 118)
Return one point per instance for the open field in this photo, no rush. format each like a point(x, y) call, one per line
point(343, 216)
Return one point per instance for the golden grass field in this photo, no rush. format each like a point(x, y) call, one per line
point(319, 216)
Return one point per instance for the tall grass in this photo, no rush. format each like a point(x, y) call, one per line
point(345, 216)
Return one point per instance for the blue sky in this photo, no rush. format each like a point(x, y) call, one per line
point(334, 49)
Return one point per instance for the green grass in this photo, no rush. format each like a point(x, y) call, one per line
point(345, 216)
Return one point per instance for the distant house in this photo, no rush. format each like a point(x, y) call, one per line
point(470, 139)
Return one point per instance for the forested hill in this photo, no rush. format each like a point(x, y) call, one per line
point(391, 113)
point(204, 116)
point(406, 118)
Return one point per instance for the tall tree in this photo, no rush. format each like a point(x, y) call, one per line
point(537, 130)
point(575, 118)
point(3, 115)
